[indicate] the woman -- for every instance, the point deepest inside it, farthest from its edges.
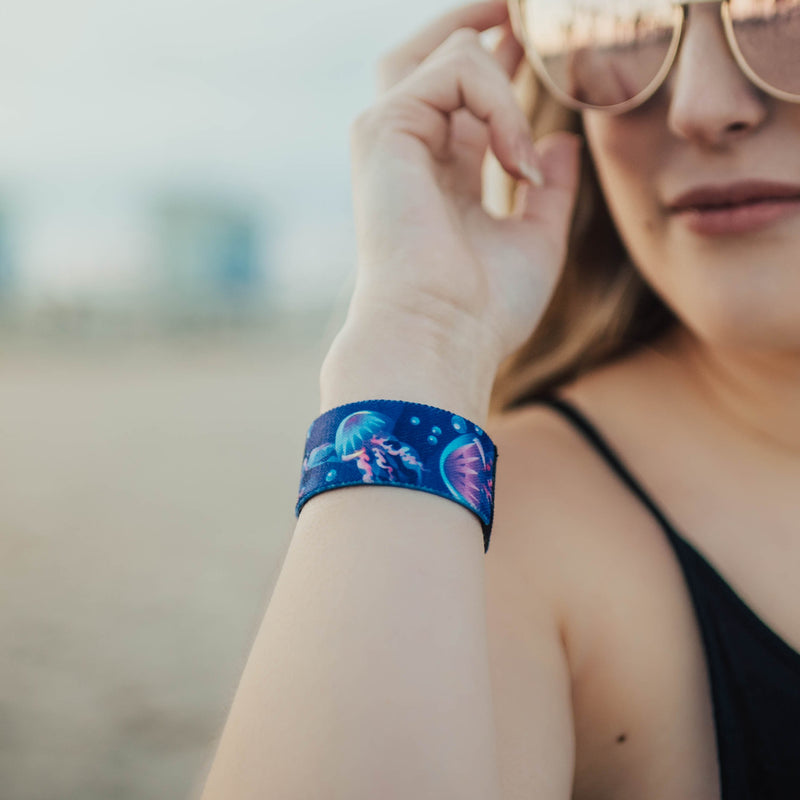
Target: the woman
(641, 321)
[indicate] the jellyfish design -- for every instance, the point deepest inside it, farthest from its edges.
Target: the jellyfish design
(463, 467)
(387, 451)
(365, 437)
(319, 455)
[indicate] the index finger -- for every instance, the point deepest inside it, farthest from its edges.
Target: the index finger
(408, 56)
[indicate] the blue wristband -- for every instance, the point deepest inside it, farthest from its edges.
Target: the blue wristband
(409, 445)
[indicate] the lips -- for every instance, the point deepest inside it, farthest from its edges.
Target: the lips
(703, 198)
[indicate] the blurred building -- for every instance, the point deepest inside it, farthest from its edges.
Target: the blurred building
(211, 259)
(134, 263)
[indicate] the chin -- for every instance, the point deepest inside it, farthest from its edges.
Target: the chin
(752, 308)
(747, 326)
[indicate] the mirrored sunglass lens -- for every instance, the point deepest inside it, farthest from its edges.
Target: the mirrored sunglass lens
(768, 34)
(601, 52)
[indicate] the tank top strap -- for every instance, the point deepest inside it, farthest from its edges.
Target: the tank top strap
(597, 441)
(753, 671)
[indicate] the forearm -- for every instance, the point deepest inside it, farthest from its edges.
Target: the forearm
(369, 676)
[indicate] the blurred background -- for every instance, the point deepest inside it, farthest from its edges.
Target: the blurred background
(176, 252)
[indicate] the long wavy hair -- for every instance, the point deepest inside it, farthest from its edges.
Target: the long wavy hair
(601, 308)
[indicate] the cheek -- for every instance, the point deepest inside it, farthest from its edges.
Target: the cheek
(627, 158)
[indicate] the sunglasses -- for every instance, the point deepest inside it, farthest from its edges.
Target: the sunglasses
(613, 55)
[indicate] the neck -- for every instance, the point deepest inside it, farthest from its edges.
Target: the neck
(755, 393)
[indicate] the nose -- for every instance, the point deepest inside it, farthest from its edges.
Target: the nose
(711, 101)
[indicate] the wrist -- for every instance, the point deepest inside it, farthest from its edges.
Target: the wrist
(412, 360)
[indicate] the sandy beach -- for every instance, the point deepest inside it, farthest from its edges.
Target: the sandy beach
(148, 496)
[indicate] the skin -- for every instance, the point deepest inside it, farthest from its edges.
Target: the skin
(736, 295)
(706, 420)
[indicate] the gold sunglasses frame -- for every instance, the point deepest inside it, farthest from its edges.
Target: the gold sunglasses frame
(681, 12)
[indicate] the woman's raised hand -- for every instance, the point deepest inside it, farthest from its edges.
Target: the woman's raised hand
(427, 249)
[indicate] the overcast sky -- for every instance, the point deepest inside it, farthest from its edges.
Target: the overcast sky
(102, 100)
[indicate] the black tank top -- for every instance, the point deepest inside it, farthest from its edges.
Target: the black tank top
(754, 674)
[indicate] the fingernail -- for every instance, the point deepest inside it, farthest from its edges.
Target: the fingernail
(531, 173)
(527, 162)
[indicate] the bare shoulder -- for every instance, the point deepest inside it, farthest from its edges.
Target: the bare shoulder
(555, 500)
(564, 521)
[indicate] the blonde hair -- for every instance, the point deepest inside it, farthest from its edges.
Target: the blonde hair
(601, 308)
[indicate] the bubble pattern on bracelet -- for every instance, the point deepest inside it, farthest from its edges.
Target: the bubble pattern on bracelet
(402, 444)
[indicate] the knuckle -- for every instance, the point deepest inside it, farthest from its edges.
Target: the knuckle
(464, 60)
(396, 109)
(469, 54)
(464, 37)
(390, 71)
(391, 111)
